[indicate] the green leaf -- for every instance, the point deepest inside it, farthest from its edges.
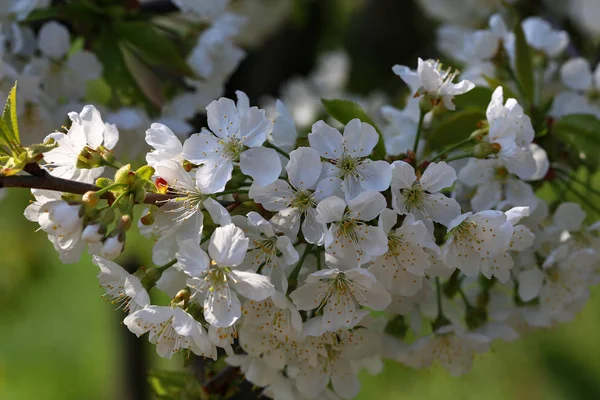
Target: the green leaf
(458, 126)
(582, 133)
(144, 77)
(345, 110)
(477, 99)
(524, 64)
(495, 82)
(9, 125)
(154, 47)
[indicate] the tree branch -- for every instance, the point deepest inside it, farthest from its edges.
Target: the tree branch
(41, 179)
(225, 376)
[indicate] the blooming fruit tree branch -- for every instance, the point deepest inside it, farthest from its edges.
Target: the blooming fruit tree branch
(463, 219)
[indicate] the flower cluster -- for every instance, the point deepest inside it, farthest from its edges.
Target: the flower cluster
(306, 251)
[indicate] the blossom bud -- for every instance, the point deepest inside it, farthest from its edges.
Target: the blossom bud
(90, 199)
(426, 104)
(125, 175)
(108, 155)
(182, 298)
(112, 246)
(147, 218)
(93, 233)
(482, 150)
(124, 223)
(107, 216)
(88, 159)
(145, 172)
(103, 182)
(140, 195)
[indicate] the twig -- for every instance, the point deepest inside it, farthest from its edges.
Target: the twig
(41, 179)
(217, 382)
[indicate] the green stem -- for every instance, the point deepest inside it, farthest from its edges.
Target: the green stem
(438, 289)
(293, 278)
(467, 155)
(118, 199)
(452, 148)
(277, 149)
(111, 164)
(419, 129)
(110, 187)
(167, 265)
(464, 298)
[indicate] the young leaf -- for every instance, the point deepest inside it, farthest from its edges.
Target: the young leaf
(346, 110)
(9, 117)
(524, 64)
(458, 126)
(154, 47)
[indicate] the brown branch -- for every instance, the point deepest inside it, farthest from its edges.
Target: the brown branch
(217, 382)
(41, 179)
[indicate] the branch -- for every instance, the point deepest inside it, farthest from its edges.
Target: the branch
(41, 179)
(225, 376)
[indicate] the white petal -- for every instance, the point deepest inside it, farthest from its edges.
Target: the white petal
(222, 308)
(251, 285)
(254, 127)
(198, 148)
(191, 258)
(162, 138)
(569, 216)
(440, 208)
(326, 140)
(304, 168)
(228, 246)
(530, 284)
(576, 74)
(360, 138)
(375, 175)
(223, 117)
(217, 212)
(213, 175)
(54, 40)
(331, 209)
(262, 164)
(403, 175)
(438, 176)
(273, 197)
(366, 206)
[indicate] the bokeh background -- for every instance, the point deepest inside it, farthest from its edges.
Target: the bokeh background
(60, 340)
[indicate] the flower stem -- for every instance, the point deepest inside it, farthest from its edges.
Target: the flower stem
(419, 129)
(277, 149)
(293, 278)
(467, 155)
(451, 148)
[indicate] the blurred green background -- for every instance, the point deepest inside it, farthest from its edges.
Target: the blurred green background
(60, 340)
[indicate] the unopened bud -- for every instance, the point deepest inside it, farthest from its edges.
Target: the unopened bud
(147, 218)
(108, 155)
(426, 103)
(90, 199)
(88, 158)
(93, 233)
(483, 150)
(124, 223)
(125, 175)
(112, 246)
(107, 216)
(182, 298)
(145, 172)
(140, 195)
(103, 182)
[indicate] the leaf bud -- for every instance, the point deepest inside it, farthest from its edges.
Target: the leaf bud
(125, 175)
(483, 150)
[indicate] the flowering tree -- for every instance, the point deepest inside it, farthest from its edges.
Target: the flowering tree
(303, 244)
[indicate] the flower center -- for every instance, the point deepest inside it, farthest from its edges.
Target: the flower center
(347, 166)
(413, 196)
(303, 200)
(232, 148)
